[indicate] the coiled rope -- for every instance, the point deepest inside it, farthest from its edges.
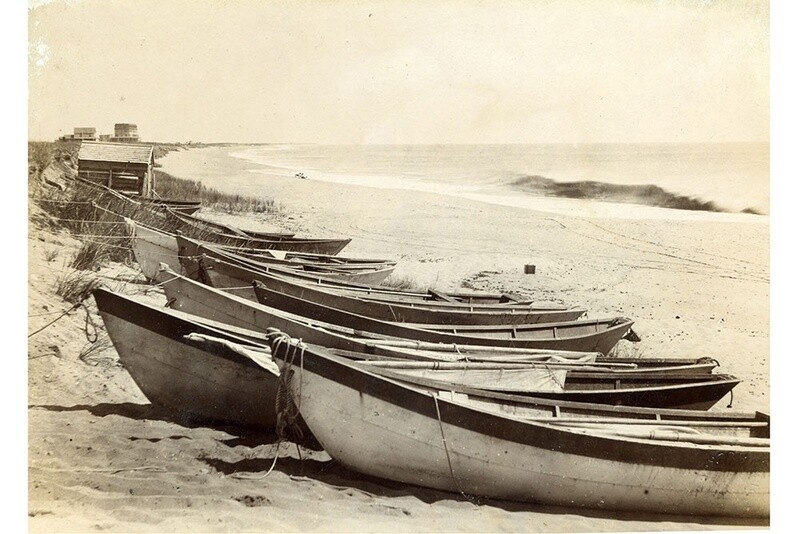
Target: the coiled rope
(89, 322)
(287, 413)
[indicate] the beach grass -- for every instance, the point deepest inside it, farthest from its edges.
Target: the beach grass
(169, 186)
(40, 154)
(75, 286)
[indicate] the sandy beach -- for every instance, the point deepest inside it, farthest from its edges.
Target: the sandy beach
(102, 459)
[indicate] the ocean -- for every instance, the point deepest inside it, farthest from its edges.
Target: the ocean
(628, 180)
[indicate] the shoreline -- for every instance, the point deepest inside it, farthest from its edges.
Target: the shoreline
(246, 170)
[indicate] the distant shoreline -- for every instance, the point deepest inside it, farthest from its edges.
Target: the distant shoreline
(608, 200)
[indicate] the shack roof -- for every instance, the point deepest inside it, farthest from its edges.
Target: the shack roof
(116, 152)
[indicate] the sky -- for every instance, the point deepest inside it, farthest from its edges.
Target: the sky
(356, 72)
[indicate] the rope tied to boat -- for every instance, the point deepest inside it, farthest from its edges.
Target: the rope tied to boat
(88, 321)
(286, 411)
(461, 356)
(201, 274)
(447, 451)
(551, 374)
(160, 284)
(287, 414)
(63, 314)
(89, 221)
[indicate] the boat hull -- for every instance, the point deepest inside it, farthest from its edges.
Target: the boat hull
(193, 257)
(684, 392)
(409, 313)
(197, 381)
(410, 436)
(151, 248)
(583, 336)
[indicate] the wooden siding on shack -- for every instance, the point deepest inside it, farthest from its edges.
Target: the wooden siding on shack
(126, 168)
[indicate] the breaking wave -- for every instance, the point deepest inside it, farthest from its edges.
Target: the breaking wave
(650, 195)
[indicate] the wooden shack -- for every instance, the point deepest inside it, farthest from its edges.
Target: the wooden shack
(122, 167)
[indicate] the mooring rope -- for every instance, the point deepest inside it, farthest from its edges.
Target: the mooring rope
(88, 322)
(91, 338)
(552, 375)
(108, 245)
(71, 309)
(285, 410)
(45, 313)
(106, 210)
(159, 284)
(446, 451)
(246, 476)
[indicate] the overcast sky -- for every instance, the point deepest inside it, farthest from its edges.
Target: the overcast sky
(400, 72)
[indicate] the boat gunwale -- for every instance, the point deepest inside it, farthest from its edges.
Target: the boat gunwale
(530, 433)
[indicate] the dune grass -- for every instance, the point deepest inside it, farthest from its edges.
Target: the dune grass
(171, 187)
(76, 286)
(40, 154)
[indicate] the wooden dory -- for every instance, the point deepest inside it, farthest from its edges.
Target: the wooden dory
(340, 269)
(184, 207)
(152, 247)
(231, 269)
(209, 303)
(298, 244)
(684, 391)
(384, 428)
(415, 313)
(206, 380)
(433, 299)
(219, 269)
(591, 335)
(168, 220)
(207, 226)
